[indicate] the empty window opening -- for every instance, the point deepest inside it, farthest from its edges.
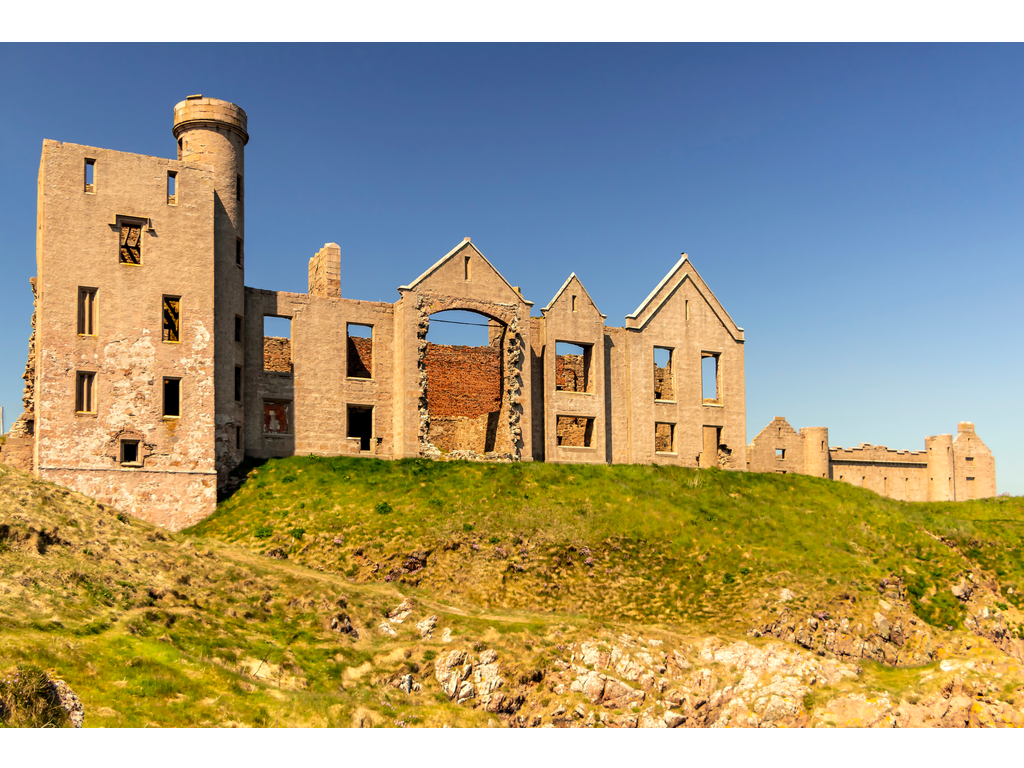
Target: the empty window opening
(466, 265)
(360, 425)
(664, 438)
(239, 188)
(277, 344)
(969, 459)
(464, 360)
(360, 351)
(238, 328)
(238, 437)
(664, 379)
(823, 445)
(130, 452)
(780, 453)
(172, 187)
(90, 172)
(573, 303)
(130, 249)
(574, 367)
(687, 306)
(87, 311)
(780, 471)
(574, 431)
(172, 398)
(238, 383)
(714, 452)
(85, 392)
(172, 318)
(277, 417)
(709, 373)
(181, 146)
(238, 253)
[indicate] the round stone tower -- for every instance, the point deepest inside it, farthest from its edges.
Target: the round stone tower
(213, 132)
(939, 457)
(816, 456)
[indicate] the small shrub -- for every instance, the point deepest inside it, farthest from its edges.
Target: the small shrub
(728, 578)
(383, 508)
(263, 532)
(297, 533)
(123, 518)
(429, 656)
(467, 527)
(495, 539)
(29, 700)
(289, 479)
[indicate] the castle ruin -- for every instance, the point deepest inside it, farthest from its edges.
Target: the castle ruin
(150, 376)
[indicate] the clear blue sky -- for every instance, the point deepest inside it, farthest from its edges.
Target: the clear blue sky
(855, 208)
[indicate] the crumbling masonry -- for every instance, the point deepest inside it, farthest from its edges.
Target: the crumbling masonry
(150, 377)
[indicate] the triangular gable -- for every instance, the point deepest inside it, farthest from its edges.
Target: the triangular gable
(664, 291)
(451, 255)
(569, 280)
(771, 432)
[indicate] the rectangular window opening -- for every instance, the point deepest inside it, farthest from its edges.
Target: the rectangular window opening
(130, 247)
(238, 437)
(172, 319)
(467, 267)
(172, 187)
(238, 253)
(238, 383)
(130, 452)
(172, 397)
(277, 344)
(239, 188)
(90, 176)
(360, 425)
(277, 417)
(574, 367)
(664, 438)
(238, 328)
(85, 392)
(360, 351)
(86, 311)
(574, 431)
(664, 379)
(969, 459)
(687, 306)
(711, 391)
(573, 303)
(780, 453)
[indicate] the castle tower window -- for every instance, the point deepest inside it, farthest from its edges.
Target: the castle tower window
(130, 249)
(573, 303)
(686, 304)
(360, 351)
(574, 367)
(238, 328)
(664, 438)
(90, 176)
(780, 454)
(360, 425)
(467, 267)
(172, 318)
(172, 187)
(130, 453)
(238, 437)
(85, 392)
(710, 371)
(238, 253)
(238, 383)
(172, 397)
(86, 311)
(277, 417)
(664, 379)
(239, 189)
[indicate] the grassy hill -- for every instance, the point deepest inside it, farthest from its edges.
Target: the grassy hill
(335, 591)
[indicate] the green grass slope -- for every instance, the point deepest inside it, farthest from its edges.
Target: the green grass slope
(702, 550)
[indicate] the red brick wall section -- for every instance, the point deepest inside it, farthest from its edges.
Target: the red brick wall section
(573, 432)
(663, 438)
(360, 357)
(277, 354)
(462, 381)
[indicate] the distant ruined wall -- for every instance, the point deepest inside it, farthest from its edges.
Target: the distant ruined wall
(464, 388)
(19, 450)
(360, 357)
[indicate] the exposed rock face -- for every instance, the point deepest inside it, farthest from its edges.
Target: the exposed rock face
(463, 678)
(70, 701)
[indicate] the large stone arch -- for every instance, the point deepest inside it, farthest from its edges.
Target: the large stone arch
(511, 317)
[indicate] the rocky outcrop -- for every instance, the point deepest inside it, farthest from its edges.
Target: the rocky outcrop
(467, 679)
